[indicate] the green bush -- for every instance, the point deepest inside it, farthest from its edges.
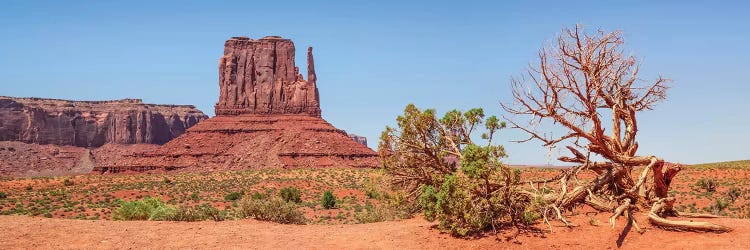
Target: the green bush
(258, 196)
(328, 201)
(734, 193)
(233, 196)
(68, 182)
(198, 213)
(531, 217)
(290, 194)
(271, 210)
(209, 212)
(195, 197)
(3, 195)
(382, 212)
(147, 208)
(718, 207)
(709, 185)
(482, 195)
(372, 194)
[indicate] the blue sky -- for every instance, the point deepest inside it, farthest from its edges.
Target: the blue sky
(374, 57)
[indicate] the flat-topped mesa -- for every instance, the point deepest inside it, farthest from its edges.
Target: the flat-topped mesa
(260, 77)
(93, 123)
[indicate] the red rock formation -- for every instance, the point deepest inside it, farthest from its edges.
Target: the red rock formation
(259, 77)
(93, 123)
(252, 141)
(24, 159)
(267, 116)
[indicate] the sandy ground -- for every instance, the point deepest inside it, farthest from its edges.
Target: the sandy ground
(22, 232)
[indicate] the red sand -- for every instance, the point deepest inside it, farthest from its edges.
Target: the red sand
(34, 232)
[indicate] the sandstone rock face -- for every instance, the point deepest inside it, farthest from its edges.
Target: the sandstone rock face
(93, 123)
(267, 117)
(251, 141)
(260, 77)
(25, 159)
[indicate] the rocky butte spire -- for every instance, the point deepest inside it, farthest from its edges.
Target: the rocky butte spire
(268, 116)
(259, 77)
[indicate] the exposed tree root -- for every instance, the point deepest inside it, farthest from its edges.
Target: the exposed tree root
(661, 222)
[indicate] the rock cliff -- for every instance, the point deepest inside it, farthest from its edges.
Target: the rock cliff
(266, 116)
(93, 123)
(260, 77)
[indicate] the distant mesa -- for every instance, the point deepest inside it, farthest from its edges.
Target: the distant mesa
(359, 139)
(93, 123)
(267, 116)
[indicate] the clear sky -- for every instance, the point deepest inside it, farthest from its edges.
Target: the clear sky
(374, 57)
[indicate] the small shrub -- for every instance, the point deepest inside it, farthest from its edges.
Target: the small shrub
(233, 196)
(381, 212)
(195, 197)
(271, 210)
(328, 201)
(258, 196)
(209, 212)
(720, 204)
(47, 215)
(372, 194)
(68, 182)
(166, 180)
(290, 194)
(147, 208)
(709, 185)
(185, 214)
(530, 217)
(29, 188)
(734, 193)
(3, 195)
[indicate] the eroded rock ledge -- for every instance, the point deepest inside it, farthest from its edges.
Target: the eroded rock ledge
(93, 123)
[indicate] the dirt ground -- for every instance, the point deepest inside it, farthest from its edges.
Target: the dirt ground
(24, 232)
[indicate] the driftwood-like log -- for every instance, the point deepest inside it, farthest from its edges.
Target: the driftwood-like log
(657, 220)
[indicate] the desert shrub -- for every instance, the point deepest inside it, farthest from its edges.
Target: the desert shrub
(719, 205)
(709, 185)
(195, 197)
(734, 193)
(290, 194)
(530, 217)
(271, 210)
(68, 182)
(3, 195)
(394, 207)
(166, 180)
(185, 214)
(233, 196)
(258, 196)
(147, 208)
(372, 194)
(460, 184)
(328, 201)
(29, 188)
(482, 195)
(209, 212)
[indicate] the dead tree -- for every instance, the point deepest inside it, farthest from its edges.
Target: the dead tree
(586, 86)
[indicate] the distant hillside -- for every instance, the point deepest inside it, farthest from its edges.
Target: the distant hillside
(726, 164)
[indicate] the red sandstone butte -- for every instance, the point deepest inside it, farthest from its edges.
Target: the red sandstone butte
(93, 123)
(267, 116)
(259, 77)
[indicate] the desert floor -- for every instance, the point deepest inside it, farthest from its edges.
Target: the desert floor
(23, 232)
